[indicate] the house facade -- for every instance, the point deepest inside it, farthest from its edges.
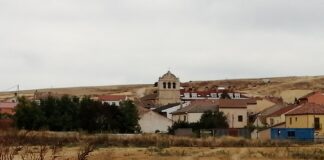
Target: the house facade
(279, 116)
(234, 110)
(152, 122)
(209, 94)
(308, 115)
(112, 99)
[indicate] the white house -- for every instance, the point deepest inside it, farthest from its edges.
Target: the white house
(152, 122)
(210, 94)
(112, 99)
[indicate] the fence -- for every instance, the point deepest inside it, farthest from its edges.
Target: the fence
(234, 132)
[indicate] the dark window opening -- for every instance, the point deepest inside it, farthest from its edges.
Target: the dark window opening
(240, 118)
(164, 85)
(317, 125)
(271, 121)
(174, 85)
(169, 85)
(291, 134)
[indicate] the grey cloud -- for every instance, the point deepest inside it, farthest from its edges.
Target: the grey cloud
(53, 43)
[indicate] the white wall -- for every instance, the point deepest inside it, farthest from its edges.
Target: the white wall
(175, 108)
(232, 116)
(151, 121)
(194, 117)
(112, 102)
(230, 113)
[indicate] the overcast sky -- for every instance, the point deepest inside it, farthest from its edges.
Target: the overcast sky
(61, 43)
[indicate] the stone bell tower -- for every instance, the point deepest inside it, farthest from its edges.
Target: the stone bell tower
(168, 89)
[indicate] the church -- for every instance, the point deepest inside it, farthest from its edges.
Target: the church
(167, 92)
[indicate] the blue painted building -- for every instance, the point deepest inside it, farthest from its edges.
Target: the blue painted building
(297, 134)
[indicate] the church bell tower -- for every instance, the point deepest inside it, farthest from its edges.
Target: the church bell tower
(168, 89)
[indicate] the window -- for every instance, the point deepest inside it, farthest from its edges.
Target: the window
(290, 120)
(185, 118)
(240, 118)
(169, 85)
(295, 119)
(317, 125)
(291, 134)
(174, 85)
(164, 85)
(271, 121)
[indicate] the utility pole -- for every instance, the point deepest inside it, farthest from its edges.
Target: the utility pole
(18, 90)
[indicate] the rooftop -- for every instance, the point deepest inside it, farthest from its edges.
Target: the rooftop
(282, 111)
(10, 105)
(159, 109)
(200, 106)
(307, 108)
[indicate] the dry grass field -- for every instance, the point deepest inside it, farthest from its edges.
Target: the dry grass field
(287, 87)
(22, 145)
(315, 152)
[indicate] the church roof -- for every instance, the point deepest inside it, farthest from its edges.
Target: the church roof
(168, 75)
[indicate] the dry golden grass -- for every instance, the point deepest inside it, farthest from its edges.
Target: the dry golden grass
(80, 146)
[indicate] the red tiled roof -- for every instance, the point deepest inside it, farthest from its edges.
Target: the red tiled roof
(112, 97)
(200, 106)
(307, 108)
(282, 111)
(232, 103)
(307, 95)
(315, 97)
(9, 105)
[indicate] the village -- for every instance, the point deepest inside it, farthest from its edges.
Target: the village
(171, 101)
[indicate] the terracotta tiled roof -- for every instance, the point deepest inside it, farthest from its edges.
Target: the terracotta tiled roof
(282, 111)
(307, 108)
(9, 105)
(232, 103)
(200, 106)
(112, 97)
(307, 95)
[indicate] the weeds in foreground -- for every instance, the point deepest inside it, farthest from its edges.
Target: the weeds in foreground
(84, 151)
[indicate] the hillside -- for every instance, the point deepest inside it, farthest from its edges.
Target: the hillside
(286, 87)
